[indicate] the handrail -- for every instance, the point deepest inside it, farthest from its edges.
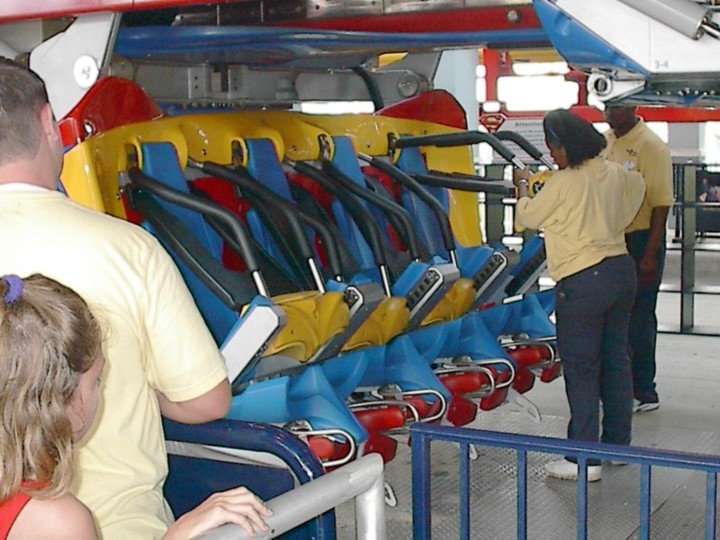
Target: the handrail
(362, 480)
(262, 440)
(475, 184)
(255, 437)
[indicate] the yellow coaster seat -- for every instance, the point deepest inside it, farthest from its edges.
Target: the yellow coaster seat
(313, 319)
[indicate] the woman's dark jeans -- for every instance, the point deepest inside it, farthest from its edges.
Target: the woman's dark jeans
(593, 314)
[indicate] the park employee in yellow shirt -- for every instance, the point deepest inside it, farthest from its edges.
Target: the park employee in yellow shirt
(584, 209)
(632, 144)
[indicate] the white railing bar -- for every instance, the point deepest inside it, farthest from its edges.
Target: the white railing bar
(362, 480)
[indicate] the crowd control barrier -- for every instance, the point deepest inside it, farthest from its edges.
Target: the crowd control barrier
(422, 435)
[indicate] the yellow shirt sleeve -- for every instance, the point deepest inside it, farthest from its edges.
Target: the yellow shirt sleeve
(539, 211)
(655, 164)
(184, 361)
(643, 151)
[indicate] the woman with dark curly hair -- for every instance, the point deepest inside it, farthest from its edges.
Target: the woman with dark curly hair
(583, 209)
(51, 364)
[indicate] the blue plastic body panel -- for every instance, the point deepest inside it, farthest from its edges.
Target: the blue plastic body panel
(308, 395)
(274, 47)
(412, 162)
(191, 480)
(527, 316)
(580, 47)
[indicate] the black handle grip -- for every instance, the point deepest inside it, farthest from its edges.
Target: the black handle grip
(461, 138)
(476, 185)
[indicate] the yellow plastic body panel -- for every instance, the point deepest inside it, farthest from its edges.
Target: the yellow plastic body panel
(300, 140)
(298, 339)
(332, 314)
(387, 321)
(370, 133)
(458, 301)
(80, 180)
(313, 319)
(91, 168)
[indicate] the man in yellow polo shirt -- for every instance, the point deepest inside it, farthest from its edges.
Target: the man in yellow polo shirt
(161, 358)
(635, 146)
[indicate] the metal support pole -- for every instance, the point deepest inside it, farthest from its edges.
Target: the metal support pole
(522, 495)
(687, 254)
(710, 505)
(494, 208)
(645, 506)
(370, 507)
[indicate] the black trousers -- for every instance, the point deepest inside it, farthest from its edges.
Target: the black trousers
(643, 321)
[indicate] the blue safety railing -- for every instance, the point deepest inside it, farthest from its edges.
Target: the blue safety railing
(423, 434)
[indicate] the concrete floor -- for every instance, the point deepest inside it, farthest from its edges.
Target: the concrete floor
(688, 420)
(688, 382)
(688, 366)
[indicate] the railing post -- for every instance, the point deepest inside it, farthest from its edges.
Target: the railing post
(710, 506)
(687, 254)
(464, 491)
(645, 492)
(521, 495)
(582, 502)
(421, 486)
(370, 511)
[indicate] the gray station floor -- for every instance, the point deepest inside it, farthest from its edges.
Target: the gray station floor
(688, 419)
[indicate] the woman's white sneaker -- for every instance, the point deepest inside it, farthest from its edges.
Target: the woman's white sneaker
(567, 470)
(645, 406)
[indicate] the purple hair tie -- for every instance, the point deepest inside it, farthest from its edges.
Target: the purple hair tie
(15, 288)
